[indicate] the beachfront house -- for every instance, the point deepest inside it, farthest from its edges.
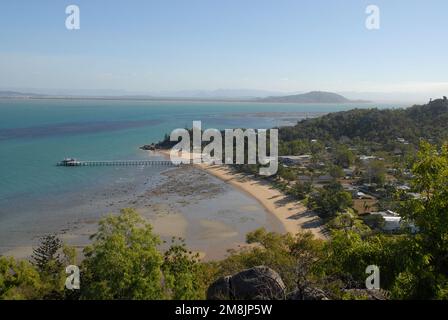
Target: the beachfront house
(295, 160)
(366, 159)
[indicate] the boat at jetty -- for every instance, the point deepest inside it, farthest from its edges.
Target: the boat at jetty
(69, 162)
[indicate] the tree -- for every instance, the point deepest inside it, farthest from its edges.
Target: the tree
(286, 173)
(19, 280)
(336, 172)
(46, 257)
(293, 257)
(50, 260)
(123, 262)
(344, 157)
(182, 272)
(428, 277)
(330, 200)
(300, 190)
(376, 172)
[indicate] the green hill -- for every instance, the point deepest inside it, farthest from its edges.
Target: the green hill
(310, 97)
(429, 121)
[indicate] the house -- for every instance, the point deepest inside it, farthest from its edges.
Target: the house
(353, 190)
(319, 179)
(367, 159)
(403, 187)
(295, 160)
(362, 195)
(415, 195)
(392, 221)
(349, 173)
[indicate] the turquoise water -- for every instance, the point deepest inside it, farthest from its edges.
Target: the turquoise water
(35, 134)
(37, 197)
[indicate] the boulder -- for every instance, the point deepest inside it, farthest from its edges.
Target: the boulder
(366, 294)
(307, 293)
(258, 283)
(220, 289)
(150, 147)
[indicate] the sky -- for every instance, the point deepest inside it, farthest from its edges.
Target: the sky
(147, 46)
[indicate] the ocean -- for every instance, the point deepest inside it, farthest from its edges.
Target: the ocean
(37, 197)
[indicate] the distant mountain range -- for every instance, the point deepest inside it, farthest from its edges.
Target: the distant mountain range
(15, 94)
(216, 95)
(312, 97)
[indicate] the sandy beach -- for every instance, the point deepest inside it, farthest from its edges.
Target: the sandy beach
(293, 215)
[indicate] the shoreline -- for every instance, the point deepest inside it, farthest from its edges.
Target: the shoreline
(293, 215)
(185, 202)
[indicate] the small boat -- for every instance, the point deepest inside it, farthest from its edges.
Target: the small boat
(69, 162)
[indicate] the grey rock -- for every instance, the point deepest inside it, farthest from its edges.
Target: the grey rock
(308, 293)
(367, 294)
(258, 283)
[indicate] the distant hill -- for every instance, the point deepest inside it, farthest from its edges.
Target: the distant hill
(311, 97)
(217, 95)
(427, 121)
(15, 94)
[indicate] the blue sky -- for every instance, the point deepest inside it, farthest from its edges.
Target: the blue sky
(280, 45)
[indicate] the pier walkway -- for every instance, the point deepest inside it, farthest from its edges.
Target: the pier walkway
(78, 163)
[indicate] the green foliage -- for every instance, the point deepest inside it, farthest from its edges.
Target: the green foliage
(375, 126)
(343, 156)
(294, 148)
(19, 280)
(348, 255)
(429, 215)
(375, 172)
(183, 272)
(330, 200)
(292, 256)
(374, 221)
(46, 257)
(286, 173)
(336, 172)
(123, 262)
(300, 190)
(348, 221)
(50, 259)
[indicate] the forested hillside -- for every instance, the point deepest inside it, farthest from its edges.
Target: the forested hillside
(374, 125)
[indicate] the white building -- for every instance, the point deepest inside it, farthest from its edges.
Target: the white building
(392, 221)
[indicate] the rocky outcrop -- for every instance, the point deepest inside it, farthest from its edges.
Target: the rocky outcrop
(263, 283)
(365, 294)
(150, 147)
(307, 293)
(258, 283)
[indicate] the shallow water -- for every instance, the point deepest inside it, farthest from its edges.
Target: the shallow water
(37, 197)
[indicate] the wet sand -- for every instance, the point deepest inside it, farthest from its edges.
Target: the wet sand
(294, 216)
(187, 202)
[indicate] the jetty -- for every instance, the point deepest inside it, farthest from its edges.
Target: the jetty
(71, 162)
